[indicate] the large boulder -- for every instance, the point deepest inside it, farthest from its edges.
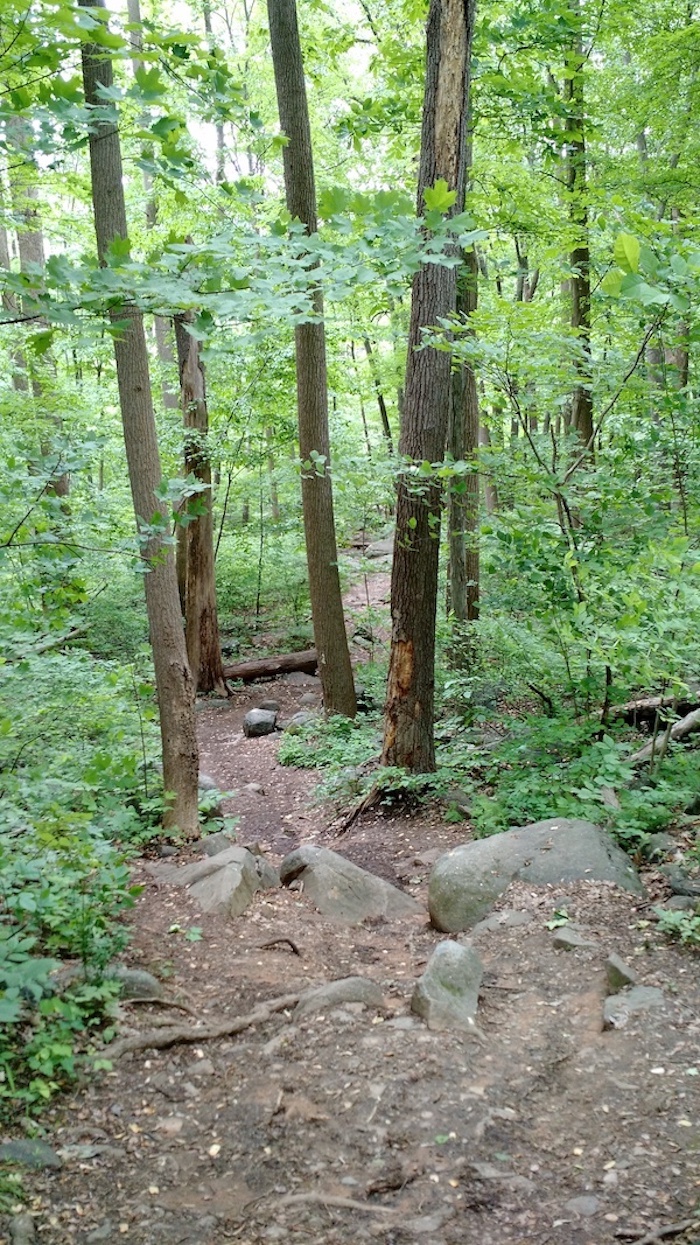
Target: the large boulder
(447, 995)
(224, 883)
(259, 722)
(468, 880)
(342, 890)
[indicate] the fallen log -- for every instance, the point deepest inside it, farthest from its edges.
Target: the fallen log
(271, 667)
(679, 729)
(646, 708)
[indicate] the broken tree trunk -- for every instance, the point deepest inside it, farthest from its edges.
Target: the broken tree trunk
(679, 729)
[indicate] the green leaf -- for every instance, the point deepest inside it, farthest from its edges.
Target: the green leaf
(439, 198)
(627, 251)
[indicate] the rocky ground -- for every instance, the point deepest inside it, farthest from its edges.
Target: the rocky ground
(355, 1122)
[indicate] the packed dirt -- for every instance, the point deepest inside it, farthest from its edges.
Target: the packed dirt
(361, 1125)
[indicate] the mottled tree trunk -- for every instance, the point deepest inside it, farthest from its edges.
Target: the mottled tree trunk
(312, 386)
(410, 702)
(174, 683)
(383, 413)
(201, 619)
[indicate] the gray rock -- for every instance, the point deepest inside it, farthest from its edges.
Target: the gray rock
(167, 851)
(567, 939)
(584, 1206)
(22, 1231)
(268, 876)
(298, 679)
(447, 995)
(136, 983)
(272, 706)
(678, 903)
(309, 698)
(618, 974)
(214, 844)
(467, 880)
(659, 845)
(224, 883)
(380, 548)
(300, 719)
(618, 1008)
(36, 1154)
(679, 881)
(206, 783)
(455, 797)
(259, 722)
(347, 990)
(105, 1232)
(254, 788)
(342, 890)
(507, 918)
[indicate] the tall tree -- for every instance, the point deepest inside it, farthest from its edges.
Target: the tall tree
(174, 683)
(463, 444)
(410, 702)
(201, 620)
(576, 185)
(312, 384)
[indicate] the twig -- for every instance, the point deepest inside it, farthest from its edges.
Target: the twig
(656, 1234)
(274, 942)
(159, 1040)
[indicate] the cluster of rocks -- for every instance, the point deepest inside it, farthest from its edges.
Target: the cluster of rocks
(264, 719)
(464, 885)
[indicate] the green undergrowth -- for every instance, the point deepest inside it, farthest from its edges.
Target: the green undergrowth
(77, 791)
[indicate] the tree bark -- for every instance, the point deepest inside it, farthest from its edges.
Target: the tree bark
(580, 284)
(201, 619)
(174, 683)
(383, 413)
(463, 443)
(410, 702)
(312, 386)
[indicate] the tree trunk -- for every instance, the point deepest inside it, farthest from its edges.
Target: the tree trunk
(410, 702)
(383, 413)
(174, 683)
(490, 489)
(463, 441)
(201, 620)
(312, 387)
(580, 284)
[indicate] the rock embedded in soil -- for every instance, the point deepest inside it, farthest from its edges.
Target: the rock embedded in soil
(347, 990)
(258, 722)
(618, 974)
(584, 1206)
(298, 720)
(22, 1231)
(447, 995)
(135, 983)
(568, 939)
(343, 890)
(34, 1153)
(224, 884)
(468, 880)
(618, 1008)
(214, 844)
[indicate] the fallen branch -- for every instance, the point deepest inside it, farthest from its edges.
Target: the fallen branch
(647, 707)
(679, 729)
(656, 1234)
(270, 667)
(159, 1039)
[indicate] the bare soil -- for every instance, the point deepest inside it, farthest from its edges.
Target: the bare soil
(351, 1125)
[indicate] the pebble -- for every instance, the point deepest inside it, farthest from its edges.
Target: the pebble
(585, 1206)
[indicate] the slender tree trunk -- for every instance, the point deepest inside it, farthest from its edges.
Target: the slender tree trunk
(312, 384)
(201, 620)
(383, 413)
(363, 413)
(174, 683)
(410, 702)
(490, 489)
(580, 285)
(463, 441)
(274, 491)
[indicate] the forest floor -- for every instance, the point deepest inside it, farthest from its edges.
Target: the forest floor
(354, 1125)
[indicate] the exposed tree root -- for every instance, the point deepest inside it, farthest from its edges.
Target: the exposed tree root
(159, 1039)
(275, 942)
(657, 1234)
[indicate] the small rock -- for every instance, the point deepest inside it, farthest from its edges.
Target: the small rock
(36, 1154)
(347, 990)
(309, 698)
(254, 788)
(206, 783)
(401, 1022)
(507, 918)
(567, 939)
(22, 1230)
(380, 548)
(167, 851)
(258, 722)
(296, 722)
(298, 679)
(660, 844)
(105, 1232)
(619, 1007)
(679, 881)
(214, 844)
(271, 706)
(455, 797)
(447, 995)
(268, 876)
(678, 903)
(136, 983)
(618, 974)
(584, 1206)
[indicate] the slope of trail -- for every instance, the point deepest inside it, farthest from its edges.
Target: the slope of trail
(354, 1124)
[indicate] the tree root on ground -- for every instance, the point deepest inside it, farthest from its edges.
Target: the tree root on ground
(159, 1039)
(656, 1234)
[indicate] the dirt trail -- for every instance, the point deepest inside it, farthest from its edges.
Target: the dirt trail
(354, 1125)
